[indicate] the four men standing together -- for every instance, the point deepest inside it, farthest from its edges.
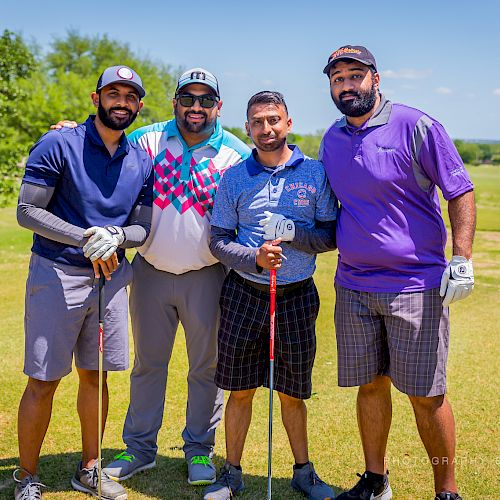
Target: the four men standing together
(383, 162)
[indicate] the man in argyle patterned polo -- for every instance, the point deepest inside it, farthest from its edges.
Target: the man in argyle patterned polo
(176, 278)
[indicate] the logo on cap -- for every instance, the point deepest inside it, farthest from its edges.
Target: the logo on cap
(125, 73)
(198, 75)
(344, 50)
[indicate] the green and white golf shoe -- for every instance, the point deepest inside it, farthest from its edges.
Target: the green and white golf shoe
(125, 465)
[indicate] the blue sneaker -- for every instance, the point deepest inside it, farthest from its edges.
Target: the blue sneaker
(125, 465)
(201, 470)
(306, 481)
(227, 486)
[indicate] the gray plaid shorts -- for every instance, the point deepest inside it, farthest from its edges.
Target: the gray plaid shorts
(402, 335)
(243, 340)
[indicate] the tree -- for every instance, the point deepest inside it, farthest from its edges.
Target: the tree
(16, 65)
(35, 93)
(240, 134)
(76, 61)
(468, 151)
(486, 153)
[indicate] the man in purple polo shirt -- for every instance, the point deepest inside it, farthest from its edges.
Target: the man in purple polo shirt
(384, 162)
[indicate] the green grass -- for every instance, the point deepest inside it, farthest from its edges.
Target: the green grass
(333, 436)
(486, 181)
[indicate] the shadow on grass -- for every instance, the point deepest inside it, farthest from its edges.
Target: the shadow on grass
(166, 481)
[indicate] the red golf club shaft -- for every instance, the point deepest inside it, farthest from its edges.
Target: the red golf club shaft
(272, 311)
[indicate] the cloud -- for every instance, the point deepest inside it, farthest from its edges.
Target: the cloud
(267, 82)
(443, 90)
(496, 92)
(406, 74)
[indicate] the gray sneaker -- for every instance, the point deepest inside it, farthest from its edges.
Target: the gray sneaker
(228, 485)
(86, 480)
(201, 470)
(306, 481)
(28, 488)
(125, 465)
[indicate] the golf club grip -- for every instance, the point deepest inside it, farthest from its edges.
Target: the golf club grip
(272, 311)
(102, 306)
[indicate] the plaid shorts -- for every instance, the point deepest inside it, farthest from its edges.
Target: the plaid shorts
(402, 335)
(243, 341)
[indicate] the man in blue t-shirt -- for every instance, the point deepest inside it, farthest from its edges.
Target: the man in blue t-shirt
(276, 195)
(86, 194)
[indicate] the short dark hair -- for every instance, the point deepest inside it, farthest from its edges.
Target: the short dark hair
(267, 97)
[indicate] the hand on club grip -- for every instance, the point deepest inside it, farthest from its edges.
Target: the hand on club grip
(103, 241)
(106, 267)
(269, 255)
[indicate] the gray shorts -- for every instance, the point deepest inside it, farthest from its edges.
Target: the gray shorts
(61, 318)
(402, 335)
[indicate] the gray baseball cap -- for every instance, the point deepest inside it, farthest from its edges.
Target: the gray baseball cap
(121, 74)
(198, 75)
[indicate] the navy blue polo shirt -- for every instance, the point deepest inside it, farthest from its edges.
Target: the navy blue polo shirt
(91, 187)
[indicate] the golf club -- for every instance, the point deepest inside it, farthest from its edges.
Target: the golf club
(99, 405)
(272, 309)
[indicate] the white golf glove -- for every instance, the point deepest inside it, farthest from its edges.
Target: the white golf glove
(103, 241)
(277, 226)
(457, 281)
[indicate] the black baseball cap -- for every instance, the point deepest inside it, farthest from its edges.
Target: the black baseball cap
(355, 52)
(121, 74)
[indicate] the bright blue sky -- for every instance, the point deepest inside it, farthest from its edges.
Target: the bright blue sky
(439, 56)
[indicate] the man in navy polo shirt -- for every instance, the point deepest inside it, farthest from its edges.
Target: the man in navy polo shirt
(384, 162)
(276, 195)
(87, 195)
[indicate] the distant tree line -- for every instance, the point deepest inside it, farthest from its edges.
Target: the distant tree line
(40, 89)
(477, 153)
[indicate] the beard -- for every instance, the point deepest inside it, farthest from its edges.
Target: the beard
(277, 144)
(205, 126)
(362, 104)
(114, 122)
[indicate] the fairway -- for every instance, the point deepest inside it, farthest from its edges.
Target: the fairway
(334, 444)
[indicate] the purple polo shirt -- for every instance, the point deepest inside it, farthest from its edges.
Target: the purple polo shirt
(390, 232)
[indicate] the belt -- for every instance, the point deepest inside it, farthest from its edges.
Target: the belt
(280, 289)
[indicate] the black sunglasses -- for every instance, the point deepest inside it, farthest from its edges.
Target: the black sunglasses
(205, 100)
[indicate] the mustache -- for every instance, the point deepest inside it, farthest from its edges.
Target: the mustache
(347, 93)
(119, 108)
(202, 113)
